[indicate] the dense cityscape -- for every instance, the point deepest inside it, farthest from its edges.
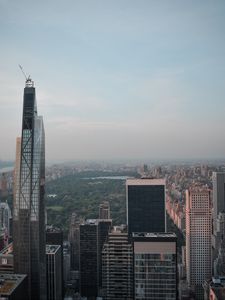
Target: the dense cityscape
(112, 166)
(167, 243)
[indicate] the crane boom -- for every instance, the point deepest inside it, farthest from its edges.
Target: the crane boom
(21, 68)
(29, 82)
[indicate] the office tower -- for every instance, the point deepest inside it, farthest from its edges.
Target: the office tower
(146, 205)
(93, 234)
(104, 210)
(66, 262)
(54, 272)
(155, 266)
(218, 179)
(74, 239)
(29, 207)
(117, 267)
(198, 238)
(13, 286)
(88, 259)
(104, 227)
(54, 236)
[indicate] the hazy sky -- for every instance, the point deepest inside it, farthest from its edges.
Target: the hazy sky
(116, 78)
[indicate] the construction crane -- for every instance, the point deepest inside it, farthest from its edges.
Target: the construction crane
(29, 82)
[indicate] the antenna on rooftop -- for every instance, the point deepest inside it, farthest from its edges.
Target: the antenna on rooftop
(29, 82)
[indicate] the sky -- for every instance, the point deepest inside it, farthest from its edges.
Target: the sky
(116, 79)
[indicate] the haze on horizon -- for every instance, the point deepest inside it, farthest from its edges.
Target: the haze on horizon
(116, 79)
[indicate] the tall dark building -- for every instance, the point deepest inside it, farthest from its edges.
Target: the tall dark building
(145, 205)
(218, 179)
(88, 259)
(93, 234)
(29, 206)
(104, 227)
(54, 272)
(74, 239)
(54, 236)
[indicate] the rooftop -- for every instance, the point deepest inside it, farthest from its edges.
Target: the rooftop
(9, 282)
(91, 222)
(199, 188)
(52, 249)
(7, 250)
(145, 181)
(154, 234)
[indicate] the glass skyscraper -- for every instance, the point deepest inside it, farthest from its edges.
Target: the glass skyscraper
(29, 206)
(155, 266)
(146, 205)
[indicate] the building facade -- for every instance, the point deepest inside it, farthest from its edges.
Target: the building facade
(54, 272)
(88, 259)
(74, 239)
(104, 210)
(218, 237)
(155, 266)
(198, 238)
(54, 236)
(93, 234)
(117, 267)
(145, 199)
(29, 207)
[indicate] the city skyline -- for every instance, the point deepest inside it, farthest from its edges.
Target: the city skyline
(116, 80)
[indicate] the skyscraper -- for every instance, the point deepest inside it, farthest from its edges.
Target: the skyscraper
(93, 234)
(146, 205)
(218, 179)
(117, 267)
(155, 265)
(198, 238)
(74, 239)
(54, 272)
(29, 207)
(104, 210)
(89, 258)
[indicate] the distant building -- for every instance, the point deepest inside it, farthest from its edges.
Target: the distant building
(198, 238)
(104, 210)
(218, 179)
(74, 239)
(54, 272)
(104, 227)
(66, 262)
(155, 266)
(145, 205)
(117, 267)
(13, 287)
